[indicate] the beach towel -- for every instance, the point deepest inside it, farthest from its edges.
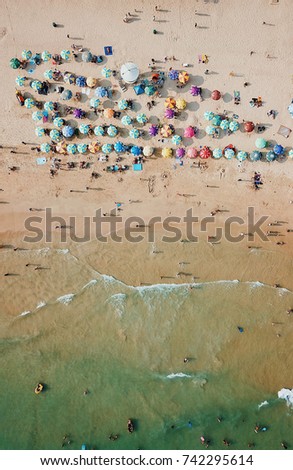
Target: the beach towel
(108, 50)
(284, 131)
(41, 160)
(137, 167)
(31, 66)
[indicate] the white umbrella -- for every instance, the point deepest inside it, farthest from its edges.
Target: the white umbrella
(129, 72)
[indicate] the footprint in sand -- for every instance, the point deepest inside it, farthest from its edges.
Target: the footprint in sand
(3, 32)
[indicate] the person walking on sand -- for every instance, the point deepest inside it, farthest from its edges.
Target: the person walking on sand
(154, 18)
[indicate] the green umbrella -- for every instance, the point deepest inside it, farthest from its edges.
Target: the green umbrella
(40, 131)
(26, 55)
(29, 103)
(149, 90)
(45, 148)
(217, 153)
(55, 135)
(260, 143)
(15, 63)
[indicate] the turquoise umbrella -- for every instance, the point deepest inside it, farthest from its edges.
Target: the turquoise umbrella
(234, 126)
(36, 85)
(69, 78)
(217, 153)
(260, 143)
(30, 103)
(126, 121)
(72, 148)
(176, 139)
(241, 155)
(66, 95)
(20, 81)
(224, 124)
(112, 131)
(290, 153)
(26, 54)
(46, 55)
(84, 129)
(210, 130)
(208, 115)
(149, 90)
(107, 148)
(255, 155)
(40, 131)
(141, 118)
(81, 148)
(122, 104)
(216, 121)
(45, 147)
(58, 122)
(94, 102)
(119, 147)
(48, 74)
(271, 156)
(65, 54)
(49, 106)
(99, 130)
(37, 116)
(229, 153)
(55, 135)
(106, 72)
(134, 133)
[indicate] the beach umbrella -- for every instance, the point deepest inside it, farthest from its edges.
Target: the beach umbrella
(82, 148)
(167, 152)
(279, 149)
(69, 78)
(106, 72)
(58, 122)
(255, 155)
(234, 126)
(217, 153)
(195, 90)
(183, 77)
(180, 152)
(173, 74)
(55, 135)
(46, 55)
(205, 153)
(208, 115)
(112, 131)
(37, 116)
(66, 95)
(40, 131)
(210, 130)
(192, 152)
(80, 81)
(153, 130)
(107, 148)
(166, 130)
(48, 74)
(260, 143)
(139, 89)
(270, 156)
(148, 151)
(170, 103)
(129, 72)
(84, 129)
(68, 131)
(14, 63)
(241, 155)
(169, 113)
(122, 104)
(134, 133)
(101, 92)
(65, 54)
(126, 120)
(119, 147)
(86, 56)
(26, 54)
(150, 90)
(78, 113)
(45, 147)
(61, 147)
(91, 82)
(136, 151)
(99, 130)
(290, 153)
(290, 109)
(20, 81)
(94, 146)
(216, 95)
(216, 121)
(30, 103)
(141, 118)
(94, 102)
(49, 106)
(229, 153)
(189, 132)
(108, 113)
(176, 139)
(36, 85)
(72, 148)
(248, 126)
(180, 103)
(225, 124)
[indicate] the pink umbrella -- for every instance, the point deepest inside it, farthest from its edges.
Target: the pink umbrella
(216, 95)
(169, 113)
(180, 152)
(153, 130)
(192, 153)
(195, 90)
(189, 132)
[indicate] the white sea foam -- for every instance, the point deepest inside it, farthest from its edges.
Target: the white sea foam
(63, 251)
(65, 299)
(90, 283)
(264, 403)
(179, 375)
(286, 394)
(118, 302)
(41, 304)
(23, 314)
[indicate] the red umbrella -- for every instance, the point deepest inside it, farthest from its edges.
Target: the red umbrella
(248, 126)
(205, 153)
(216, 95)
(189, 132)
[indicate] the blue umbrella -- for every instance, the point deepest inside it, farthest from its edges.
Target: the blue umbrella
(134, 133)
(101, 92)
(66, 95)
(58, 122)
(229, 153)
(270, 156)
(55, 135)
(69, 78)
(216, 121)
(122, 104)
(84, 129)
(136, 151)
(49, 106)
(208, 115)
(112, 131)
(173, 74)
(119, 147)
(255, 155)
(20, 81)
(40, 131)
(279, 149)
(81, 148)
(46, 55)
(225, 124)
(94, 102)
(126, 120)
(37, 115)
(217, 153)
(99, 130)
(45, 148)
(176, 139)
(48, 74)
(80, 81)
(241, 155)
(86, 56)
(139, 89)
(68, 131)
(107, 148)
(234, 126)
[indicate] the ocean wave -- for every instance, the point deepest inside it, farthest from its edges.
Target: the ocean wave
(118, 302)
(264, 403)
(179, 375)
(26, 312)
(65, 299)
(41, 304)
(90, 283)
(64, 251)
(286, 394)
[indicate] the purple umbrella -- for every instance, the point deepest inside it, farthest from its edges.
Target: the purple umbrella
(173, 74)
(153, 130)
(195, 90)
(78, 113)
(169, 113)
(180, 152)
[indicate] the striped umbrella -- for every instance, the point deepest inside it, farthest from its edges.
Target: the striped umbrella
(217, 153)
(234, 126)
(216, 121)
(173, 74)
(94, 146)
(150, 90)
(122, 104)
(183, 77)
(241, 155)
(225, 124)
(72, 148)
(108, 113)
(66, 95)
(136, 151)
(134, 133)
(208, 115)
(205, 153)
(112, 131)
(91, 82)
(84, 129)
(82, 148)
(180, 103)
(148, 151)
(45, 147)
(46, 55)
(94, 102)
(210, 130)
(180, 152)
(65, 54)
(167, 152)
(48, 74)
(61, 147)
(99, 130)
(58, 122)
(40, 131)
(192, 152)
(153, 130)
(126, 120)
(141, 118)
(68, 131)
(30, 103)
(255, 155)
(80, 81)
(167, 130)
(49, 106)
(37, 116)
(176, 139)
(69, 78)
(36, 85)
(107, 148)
(14, 63)
(101, 91)
(20, 81)
(195, 90)
(290, 153)
(86, 56)
(189, 132)
(55, 135)
(106, 72)
(270, 156)
(279, 149)
(169, 113)
(170, 103)
(260, 143)
(26, 54)
(229, 153)
(119, 147)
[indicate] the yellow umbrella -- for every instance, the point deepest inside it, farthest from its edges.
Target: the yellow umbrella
(180, 103)
(61, 147)
(167, 152)
(170, 103)
(94, 146)
(108, 113)
(91, 82)
(183, 77)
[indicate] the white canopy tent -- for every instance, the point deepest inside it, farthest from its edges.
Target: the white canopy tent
(129, 72)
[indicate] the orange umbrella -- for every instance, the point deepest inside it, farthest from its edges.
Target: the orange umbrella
(94, 146)
(155, 77)
(170, 103)
(108, 113)
(183, 77)
(166, 130)
(61, 147)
